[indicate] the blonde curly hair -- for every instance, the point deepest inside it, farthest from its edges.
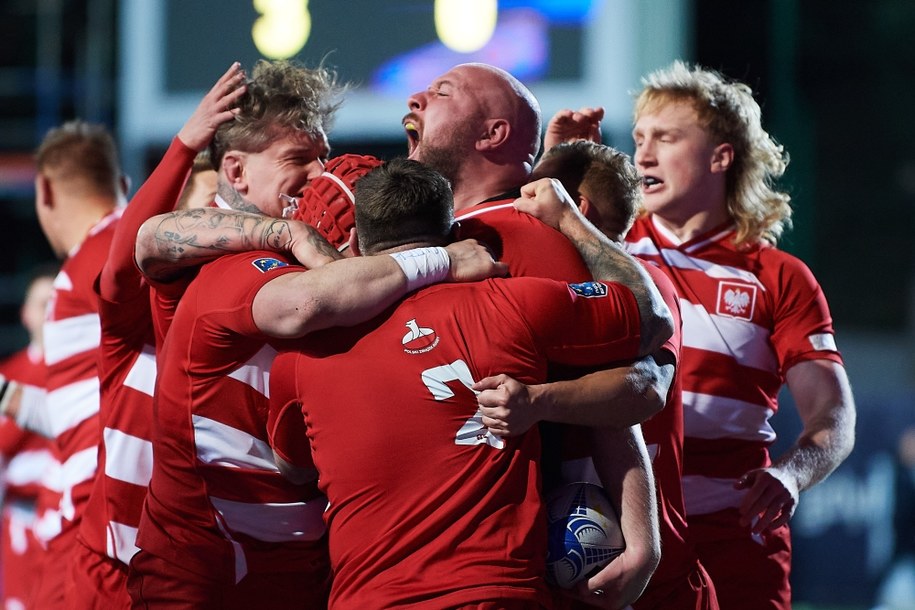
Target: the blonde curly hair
(728, 111)
(281, 97)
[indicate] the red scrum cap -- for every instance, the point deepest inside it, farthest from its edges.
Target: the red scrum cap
(327, 203)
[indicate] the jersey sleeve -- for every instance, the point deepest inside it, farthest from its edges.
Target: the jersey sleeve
(670, 298)
(286, 430)
(529, 247)
(230, 283)
(802, 325)
(583, 324)
(121, 280)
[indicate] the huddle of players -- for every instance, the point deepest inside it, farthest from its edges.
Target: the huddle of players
(434, 496)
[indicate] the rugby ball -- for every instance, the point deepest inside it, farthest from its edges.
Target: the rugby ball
(584, 533)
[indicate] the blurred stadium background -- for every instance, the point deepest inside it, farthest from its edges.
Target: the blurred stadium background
(834, 78)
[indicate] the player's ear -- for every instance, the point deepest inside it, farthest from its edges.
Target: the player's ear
(584, 205)
(233, 170)
(44, 193)
(722, 158)
(495, 134)
(353, 244)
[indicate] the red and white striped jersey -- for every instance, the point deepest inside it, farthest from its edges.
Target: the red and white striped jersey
(27, 458)
(748, 316)
(71, 341)
(127, 367)
(217, 504)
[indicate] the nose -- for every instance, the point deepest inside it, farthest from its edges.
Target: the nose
(644, 154)
(417, 101)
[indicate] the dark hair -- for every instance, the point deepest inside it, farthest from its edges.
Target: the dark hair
(402, 202)
(281, 97)
(603, 174)
(78, 150)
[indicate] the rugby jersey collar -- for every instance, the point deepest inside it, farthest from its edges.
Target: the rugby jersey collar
(716, 234)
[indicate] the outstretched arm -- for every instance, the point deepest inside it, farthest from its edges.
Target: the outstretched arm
(169, 243)
(547, 200)
(120, 279)
(353, 290)
(823, 396)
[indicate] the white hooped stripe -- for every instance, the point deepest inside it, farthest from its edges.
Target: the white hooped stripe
(713, 417)
(121, 541)
(220, 444)
(274, 522)
(256, 371)
(72, 336)
(73, 404)
(745, 342)
(704, 495)
(142, 375)
(127, 458)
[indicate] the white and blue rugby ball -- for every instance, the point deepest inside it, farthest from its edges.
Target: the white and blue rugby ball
(584, 533)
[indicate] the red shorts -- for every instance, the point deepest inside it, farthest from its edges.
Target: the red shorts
(695, 591)
(97, 582)
(53, 572)
(156, 583)
(21, 554)
(750, 573)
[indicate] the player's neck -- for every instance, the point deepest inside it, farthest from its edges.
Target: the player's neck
(685, 229)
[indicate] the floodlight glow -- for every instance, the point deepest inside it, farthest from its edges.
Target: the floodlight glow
(282, 29)
(465, 26)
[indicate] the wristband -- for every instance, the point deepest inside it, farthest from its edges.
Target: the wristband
(423, 266)
(7, 389)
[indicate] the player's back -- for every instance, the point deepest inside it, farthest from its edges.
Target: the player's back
(418, 476)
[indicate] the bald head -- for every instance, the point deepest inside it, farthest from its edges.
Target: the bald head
(502, 96)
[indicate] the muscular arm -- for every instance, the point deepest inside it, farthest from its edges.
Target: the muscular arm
(169, 243)
(826, 407)
(120, 278)
(548, 200)
(622, 463)
(617, 397)
(353, 290)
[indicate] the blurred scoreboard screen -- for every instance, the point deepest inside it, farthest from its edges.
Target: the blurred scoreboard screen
(384, 47)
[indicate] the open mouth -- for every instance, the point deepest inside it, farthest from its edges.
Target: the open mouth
(411, 127)
(650, 183)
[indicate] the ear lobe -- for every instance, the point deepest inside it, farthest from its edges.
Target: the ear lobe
(722, 158)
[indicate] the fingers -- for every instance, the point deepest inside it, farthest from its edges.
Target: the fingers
(489, 383)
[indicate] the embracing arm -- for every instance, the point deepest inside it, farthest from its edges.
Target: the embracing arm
(547, 200)
(824, 400)
(120, 279)
(353, 290)
(169, 243)
(622, 463)
(617, 397)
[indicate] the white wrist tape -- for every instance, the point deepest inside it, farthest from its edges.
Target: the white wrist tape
(7, 388)
(423, 266)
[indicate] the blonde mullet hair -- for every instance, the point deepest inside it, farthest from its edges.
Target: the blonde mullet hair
(728, 111)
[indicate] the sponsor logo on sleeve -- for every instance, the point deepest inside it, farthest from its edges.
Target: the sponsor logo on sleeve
(419, 339)
(823, 342)
(589, 290)
(268, 264)
(736, 300)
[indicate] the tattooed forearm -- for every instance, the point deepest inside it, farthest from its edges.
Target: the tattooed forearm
(607, 261)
